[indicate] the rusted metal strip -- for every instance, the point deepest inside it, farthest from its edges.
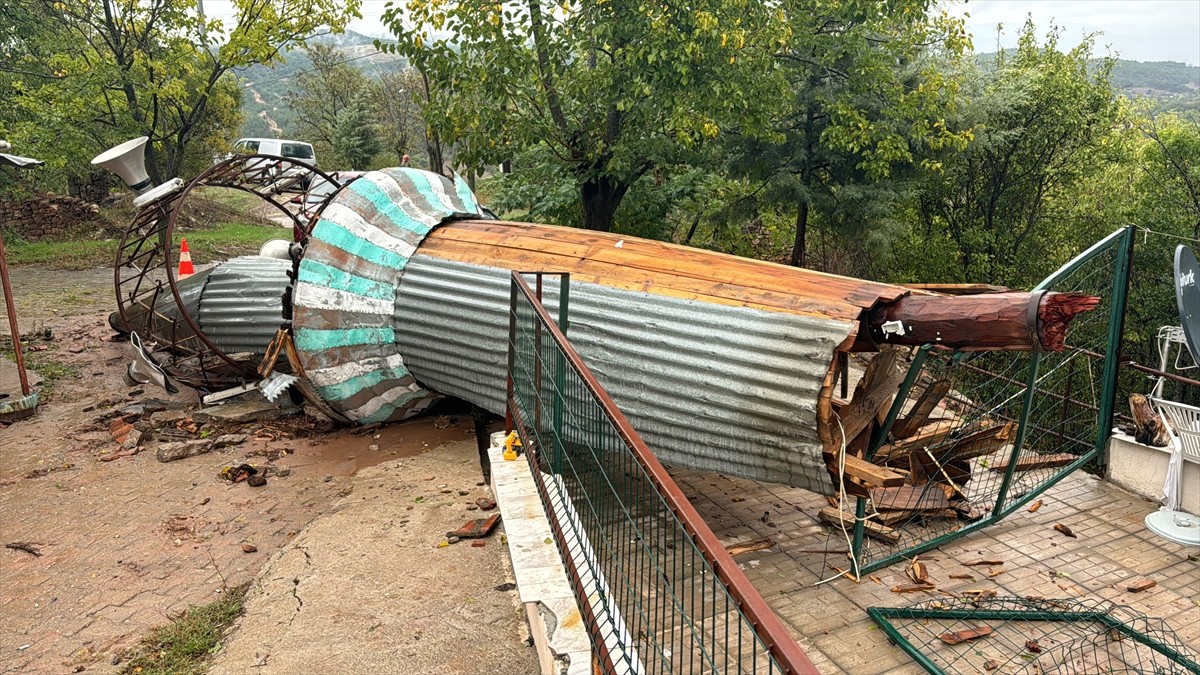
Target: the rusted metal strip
(766, 624)
(11, 306)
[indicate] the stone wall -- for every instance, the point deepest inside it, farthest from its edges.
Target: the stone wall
(94, 187)
(47, 216)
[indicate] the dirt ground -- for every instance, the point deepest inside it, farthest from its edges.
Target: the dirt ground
(126, 541)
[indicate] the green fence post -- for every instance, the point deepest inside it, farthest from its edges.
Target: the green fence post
(1035, 361)
(560, 375)
(1112, 359)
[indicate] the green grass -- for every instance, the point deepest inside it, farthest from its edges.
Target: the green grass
(235, 200)
(225, 240)
(184, 646)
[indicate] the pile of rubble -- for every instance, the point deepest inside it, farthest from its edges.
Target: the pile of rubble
(174, 430)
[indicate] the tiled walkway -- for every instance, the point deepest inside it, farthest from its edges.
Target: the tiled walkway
(829, 620)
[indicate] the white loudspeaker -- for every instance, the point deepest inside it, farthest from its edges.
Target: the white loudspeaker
(127, 160)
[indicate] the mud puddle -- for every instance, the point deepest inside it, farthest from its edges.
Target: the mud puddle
(345, 453)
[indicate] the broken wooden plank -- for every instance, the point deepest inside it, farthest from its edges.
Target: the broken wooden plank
(921, 410)
(958, 289)
(918, 572)
(841, 518)
(928, 435)
(909, 498)
(989, 562)
(1037, 462)
(978, 443)
(967, 577)
(1059, 527)
(750, 546)
(961, 636)
(871, 475)
(873, 392)
(912, 588)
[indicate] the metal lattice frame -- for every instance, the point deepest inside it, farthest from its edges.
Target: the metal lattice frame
(1058, 403)
(658, 591)
(147, 259)
(1035, 635)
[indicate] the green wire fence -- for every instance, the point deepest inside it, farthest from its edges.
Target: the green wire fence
(1055, 410)
(657, 590)
(1034, 635)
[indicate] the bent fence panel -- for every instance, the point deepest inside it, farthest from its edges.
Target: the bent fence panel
(1054, 408)
(658, 592)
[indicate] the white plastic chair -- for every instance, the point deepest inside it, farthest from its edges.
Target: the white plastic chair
(1185, 420)
(1168, 522)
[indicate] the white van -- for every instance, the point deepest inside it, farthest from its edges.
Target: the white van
(295, 150)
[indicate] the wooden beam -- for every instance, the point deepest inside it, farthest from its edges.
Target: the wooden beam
(873, 392)
(978, 443)
(1014, 321)
(928, 435)
(921, 410)
(750, 546)
(1038, 462)
(870, 474)
(908, 498)
(958, 289)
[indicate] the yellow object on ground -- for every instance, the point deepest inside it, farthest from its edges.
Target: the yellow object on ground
(511, 443)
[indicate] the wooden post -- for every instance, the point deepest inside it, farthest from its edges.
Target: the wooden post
(1014, 321)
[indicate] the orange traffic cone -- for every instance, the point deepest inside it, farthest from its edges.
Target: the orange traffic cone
(185, 262)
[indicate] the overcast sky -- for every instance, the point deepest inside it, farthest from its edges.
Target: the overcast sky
(1142, 30)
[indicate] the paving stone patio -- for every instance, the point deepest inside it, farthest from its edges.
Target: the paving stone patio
(829, 619)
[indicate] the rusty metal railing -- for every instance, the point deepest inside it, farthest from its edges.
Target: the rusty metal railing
(657, 590)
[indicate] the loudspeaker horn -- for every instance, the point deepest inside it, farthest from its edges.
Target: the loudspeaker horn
(127, 160)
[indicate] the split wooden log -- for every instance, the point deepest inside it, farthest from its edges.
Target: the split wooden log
(1149, 428)
(1013, 321)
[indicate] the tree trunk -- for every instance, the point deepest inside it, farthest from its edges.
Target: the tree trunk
(798, 252)
(601, 196)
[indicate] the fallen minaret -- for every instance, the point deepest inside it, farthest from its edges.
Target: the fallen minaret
(401, 295)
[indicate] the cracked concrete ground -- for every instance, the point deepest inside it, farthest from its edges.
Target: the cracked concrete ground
(366, 589)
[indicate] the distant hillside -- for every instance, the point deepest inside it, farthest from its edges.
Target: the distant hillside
(1155, 79)
(265, 87)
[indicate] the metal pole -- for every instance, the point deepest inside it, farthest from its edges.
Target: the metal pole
(11, 307)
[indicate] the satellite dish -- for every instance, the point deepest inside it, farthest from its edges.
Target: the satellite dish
(1187, 293)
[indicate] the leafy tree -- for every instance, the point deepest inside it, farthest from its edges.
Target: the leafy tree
(355, 140)
(395, 103)
(868, 95)
(612, 89)
(96, 71)
(322, 96)
(1040, 117)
